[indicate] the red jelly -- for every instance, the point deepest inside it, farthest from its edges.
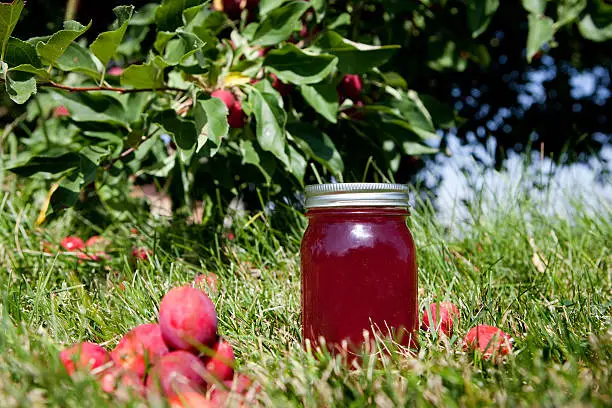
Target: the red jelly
(358, 263)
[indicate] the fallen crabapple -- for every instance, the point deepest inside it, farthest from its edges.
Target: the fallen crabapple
(176, 372)
(72, 243)
(440, 316)
(231, 392)
(187, 319)
(84, 356)
(220, 363)
(142, 253)
(207, 280)
(488, 340)
(190, 399)
(122, 383)
(97, 242)
(141, 347)
(93, 257)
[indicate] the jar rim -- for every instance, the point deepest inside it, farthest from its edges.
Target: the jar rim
(357, 195)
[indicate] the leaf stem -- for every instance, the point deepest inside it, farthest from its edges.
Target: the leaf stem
(72, 6)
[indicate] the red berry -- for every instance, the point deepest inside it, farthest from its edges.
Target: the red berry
(115, 71)
(304, 30)
(236, 116)
(282, 88)
(221, 363)
(226, 96)
(351, 87)
(187, 319)
(60, 111)
(140, 348)
(444, 320)
(72, 243)
(84, 356)
(488, 340)
(176, 372)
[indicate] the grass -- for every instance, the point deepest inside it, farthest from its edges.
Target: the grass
(544, 280)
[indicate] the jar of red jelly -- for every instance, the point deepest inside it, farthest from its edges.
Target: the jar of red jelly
(358, 263)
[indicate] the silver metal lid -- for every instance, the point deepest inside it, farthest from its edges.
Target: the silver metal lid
(357, 195)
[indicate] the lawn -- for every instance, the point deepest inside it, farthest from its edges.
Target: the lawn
(543, 279)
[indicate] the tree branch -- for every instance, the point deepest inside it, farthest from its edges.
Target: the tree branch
(68, 88)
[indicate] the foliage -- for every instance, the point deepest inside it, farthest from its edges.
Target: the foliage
(312, 94)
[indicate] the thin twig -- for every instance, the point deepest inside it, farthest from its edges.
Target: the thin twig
(68, 88)
(125, 153)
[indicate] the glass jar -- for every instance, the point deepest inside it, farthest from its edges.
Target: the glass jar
(358, 263)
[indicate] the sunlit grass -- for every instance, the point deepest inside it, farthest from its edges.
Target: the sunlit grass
(544, 280)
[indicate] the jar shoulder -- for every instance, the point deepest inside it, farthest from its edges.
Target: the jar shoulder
(341, 236)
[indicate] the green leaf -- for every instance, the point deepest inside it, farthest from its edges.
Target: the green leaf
(342, 20)
(535, 6)
(145, 15)
(266, 6)
(9, 15)
(418, 119)
(20, 86)
(67, 193)
(541, 31)
(49, 164)
(442, 114)
(78, 59)
(143, 76)
(270, 121)
(296, 66)
(162, 39)
(250, 155)
(178, 50)
(355, 58)
(202, 21)
(41, 73)
(443, 54)
(279, 24)
(317, 145)
(105, 46)
(297, 164)
(49, 51)
(320, 7)
(323, 98)
(99, 107)
(479, 15)
(211, 122)
(182, 130)
(169, 15)
(21, 52)
(593, 32)
(569, 10)
(402, 133)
